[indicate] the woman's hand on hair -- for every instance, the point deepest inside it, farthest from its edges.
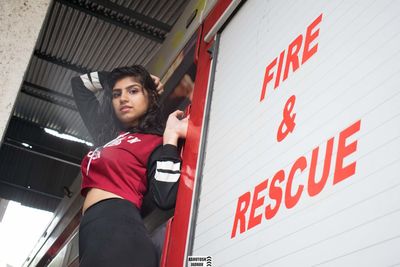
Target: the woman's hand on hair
(159, 84)
(175, 128)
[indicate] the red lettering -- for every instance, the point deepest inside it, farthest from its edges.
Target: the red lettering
(292, 57)
(244, 221)
(275, 192)
(291, 200)
(314, 187)
(267, 78)
(341, 172)
(278, 73)
(240, 215)
(311, 36)
(256, 203)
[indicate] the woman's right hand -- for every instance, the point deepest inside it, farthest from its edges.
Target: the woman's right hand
(175, 128)
(159, 84)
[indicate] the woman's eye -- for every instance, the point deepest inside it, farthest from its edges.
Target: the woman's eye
(133, 91)
(116, 94)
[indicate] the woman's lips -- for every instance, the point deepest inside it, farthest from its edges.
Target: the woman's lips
(125, 109)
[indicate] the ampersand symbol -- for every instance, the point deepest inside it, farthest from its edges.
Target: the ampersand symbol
(288, 119)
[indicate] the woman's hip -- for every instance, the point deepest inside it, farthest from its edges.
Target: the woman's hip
(112, 233)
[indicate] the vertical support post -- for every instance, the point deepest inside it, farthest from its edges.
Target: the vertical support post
(20, 24)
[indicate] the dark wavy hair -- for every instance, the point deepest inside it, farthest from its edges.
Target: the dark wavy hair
(151, 122)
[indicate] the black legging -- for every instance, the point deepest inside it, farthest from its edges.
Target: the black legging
(112, 233)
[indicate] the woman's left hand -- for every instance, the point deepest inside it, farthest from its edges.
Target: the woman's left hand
(159, 84)
(175, 128)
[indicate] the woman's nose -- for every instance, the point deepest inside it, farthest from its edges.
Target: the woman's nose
(124, 97)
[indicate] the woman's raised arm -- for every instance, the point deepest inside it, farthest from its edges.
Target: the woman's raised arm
(84, 88)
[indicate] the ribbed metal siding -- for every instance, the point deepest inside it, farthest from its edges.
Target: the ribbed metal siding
(91, 43)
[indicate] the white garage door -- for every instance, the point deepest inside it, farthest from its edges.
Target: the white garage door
(305, 172)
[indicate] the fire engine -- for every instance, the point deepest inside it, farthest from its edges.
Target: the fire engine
(292, 154)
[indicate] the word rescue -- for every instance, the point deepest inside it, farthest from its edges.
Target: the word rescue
(281, 189)
(274, 69)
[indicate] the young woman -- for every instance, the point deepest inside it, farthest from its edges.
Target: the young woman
(133, 153)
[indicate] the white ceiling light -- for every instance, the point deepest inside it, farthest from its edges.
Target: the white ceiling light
(26, 145)
(67, 137)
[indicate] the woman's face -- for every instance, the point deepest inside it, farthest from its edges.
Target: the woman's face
(130, 101)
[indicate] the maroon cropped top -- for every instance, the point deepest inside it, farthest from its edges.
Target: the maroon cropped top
(120, 166)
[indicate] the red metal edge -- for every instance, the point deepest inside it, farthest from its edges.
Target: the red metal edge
(175, 251)
(197, 48)
(163, 260)
(61, 240)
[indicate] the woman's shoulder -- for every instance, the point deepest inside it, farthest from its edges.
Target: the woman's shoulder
(147, 143)
(147, 137)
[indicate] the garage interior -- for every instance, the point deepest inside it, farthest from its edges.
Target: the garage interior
(45, 138)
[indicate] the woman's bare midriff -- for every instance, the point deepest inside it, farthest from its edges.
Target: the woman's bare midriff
(95, 195)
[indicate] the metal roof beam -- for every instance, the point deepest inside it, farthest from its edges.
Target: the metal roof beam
(61, 62)
(48, 95)
(23, 131)
(30, 190)
(9, 141)
(49, 91)
(121, 17)
(134, 15)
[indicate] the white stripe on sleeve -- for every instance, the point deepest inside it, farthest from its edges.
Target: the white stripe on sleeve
(95, 80)
(168, 165)
(88, 84)
(167, 177)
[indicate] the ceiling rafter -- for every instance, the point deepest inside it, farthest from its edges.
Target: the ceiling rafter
(61, 62)
(48, 95)
(121, 17)
(30, 190)
(44, 152)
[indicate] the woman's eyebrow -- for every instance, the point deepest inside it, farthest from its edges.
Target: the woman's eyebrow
(133, 85)
(129, 86)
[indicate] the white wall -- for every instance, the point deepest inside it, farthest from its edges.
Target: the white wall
(353, 76)
(20, 23)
